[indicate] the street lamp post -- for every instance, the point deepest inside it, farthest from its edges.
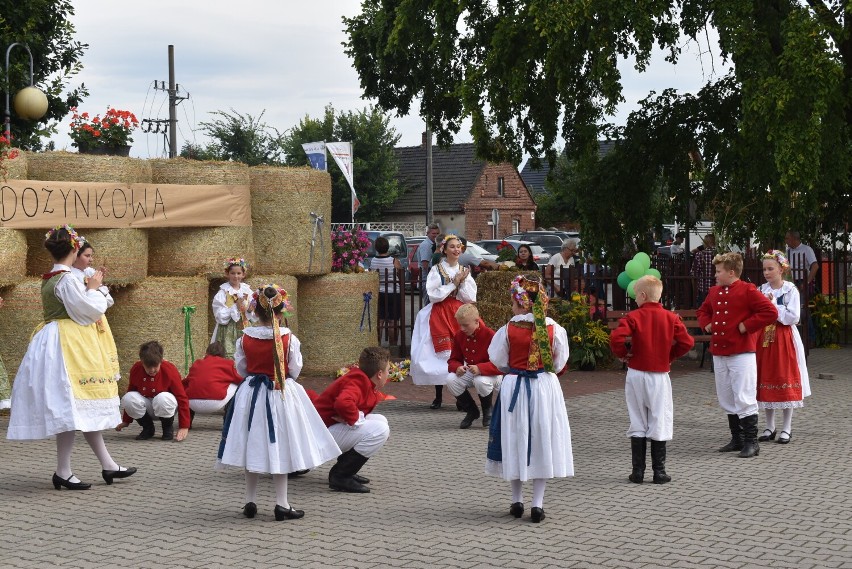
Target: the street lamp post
(30, 102)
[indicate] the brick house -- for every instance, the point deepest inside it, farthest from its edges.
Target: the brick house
(466, 191)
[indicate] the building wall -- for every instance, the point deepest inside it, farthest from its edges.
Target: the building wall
(515, 204)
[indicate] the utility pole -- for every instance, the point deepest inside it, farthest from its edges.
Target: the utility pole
(169, 126)
(429, 189)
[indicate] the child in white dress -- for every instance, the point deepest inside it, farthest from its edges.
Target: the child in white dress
(230, 306)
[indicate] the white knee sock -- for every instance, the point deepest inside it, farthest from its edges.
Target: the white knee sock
(251, 486)
(64, 446)
(788, 420)
(96, 442)
(770, 419)
(280, 481)
(538, 492)
(517, 491)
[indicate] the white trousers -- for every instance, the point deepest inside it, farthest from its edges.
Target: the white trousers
(212, 405)
(162, 405)
(484, 384)
(367, 438)
(736, 383)
(649, 404)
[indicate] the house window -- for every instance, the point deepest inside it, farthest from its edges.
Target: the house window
(500, 186)
(516, 226)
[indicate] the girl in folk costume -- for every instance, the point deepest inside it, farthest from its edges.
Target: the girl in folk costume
(782, 374)
(530, 437)
(272, 426)
(67, 380)
(5, 389)
(230, 306)
(449, 285)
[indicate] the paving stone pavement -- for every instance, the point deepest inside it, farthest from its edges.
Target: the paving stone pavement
(432, 506)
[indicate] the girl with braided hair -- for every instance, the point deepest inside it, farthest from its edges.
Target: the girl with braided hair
(272, 427)
(530, 437)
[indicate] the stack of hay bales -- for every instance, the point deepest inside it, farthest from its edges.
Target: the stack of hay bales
(190, 251)
(20, 314)
(492, 297)
(331, 307)
(74, 167)
(13, 256)
(282, 200)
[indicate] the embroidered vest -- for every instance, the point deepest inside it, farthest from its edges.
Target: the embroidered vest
(520, 337)
(259, 355)
(52, 307)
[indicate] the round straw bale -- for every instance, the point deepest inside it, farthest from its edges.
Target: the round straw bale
(282, 200)
(200, 172)
(495, 314)
(13, 255)
(493, 286)
(124, 252)
(16, 169)
(20, 314)
(152, 310)
(74, 167)
(330, 310)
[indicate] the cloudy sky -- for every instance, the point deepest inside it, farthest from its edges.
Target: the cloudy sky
(284, 58)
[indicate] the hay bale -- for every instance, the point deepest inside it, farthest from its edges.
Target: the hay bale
(16, 169)
(330, 308)
(13, 256)
(493, 286)
(282, 200)
(152, 310)
(198, 250)
(495, 314)
(124, 252)
(286, 282)
(20, 314)
(74, 167)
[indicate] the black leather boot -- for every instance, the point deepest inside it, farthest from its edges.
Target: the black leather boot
(340, 475)
(469, 405)
(750, 445)
(486, 409)
(638, 448)
(168, 427)
(439, 395)
(147, 423)
(658, 462)
(736, 443)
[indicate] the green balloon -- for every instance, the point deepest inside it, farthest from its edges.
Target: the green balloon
(654, 273)
(623, 280)
(630, 290)
(634, 269)
(643, 259)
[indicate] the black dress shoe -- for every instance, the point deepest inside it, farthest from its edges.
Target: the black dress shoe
(536, 515)
(360, 479)
(298, 473)
(59, 482)
(110, 475)
(250, 509)
(767, 437)
(436, 404)
(784, 441)
(287, 513)
(517, 509)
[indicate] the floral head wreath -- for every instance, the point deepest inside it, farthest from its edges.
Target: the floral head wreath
(269, 304)
(540, 353)
(235, 262)
(448, 238)
(778, 256)
(521, 288)
(77, 241)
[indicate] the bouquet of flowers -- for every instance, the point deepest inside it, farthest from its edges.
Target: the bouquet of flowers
(398, 370)
(348, 250)
(111, 130)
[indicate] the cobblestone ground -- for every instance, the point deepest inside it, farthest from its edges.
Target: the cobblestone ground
(432, 506)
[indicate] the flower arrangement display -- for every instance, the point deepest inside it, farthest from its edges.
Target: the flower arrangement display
(110, 131)
(826, 314)
(348, 250)
(588, 338)
(6, 153)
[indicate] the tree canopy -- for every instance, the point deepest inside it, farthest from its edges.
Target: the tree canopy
(239, 137)
(44, 26)
(759, 150)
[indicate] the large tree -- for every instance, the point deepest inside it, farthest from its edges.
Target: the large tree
(769, 142)
(239, 137)
(44, 26)
(374, 166)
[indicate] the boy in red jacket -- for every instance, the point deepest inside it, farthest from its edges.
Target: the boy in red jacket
(733, 312)
(346, 408)
(639, 341)
(469, 362)
(211, 382)
(155, 390)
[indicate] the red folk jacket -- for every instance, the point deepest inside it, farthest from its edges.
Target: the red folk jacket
(345, 397)
(167, 380)
(210, 377)
(725, 307)
(651, 329)
(473, 350)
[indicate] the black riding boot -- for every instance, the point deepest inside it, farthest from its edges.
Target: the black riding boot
(658, 462)
(486, 409)
(168, 427)
(340, 477)
(469, 405)
(439, 392)
(638, 448)
(736, 435)
(147, 423)
(750, 444)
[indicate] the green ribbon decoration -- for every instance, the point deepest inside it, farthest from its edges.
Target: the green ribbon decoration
(188, 352)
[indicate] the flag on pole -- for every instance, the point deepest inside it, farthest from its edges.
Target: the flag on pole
(316, 154)
(342, 154)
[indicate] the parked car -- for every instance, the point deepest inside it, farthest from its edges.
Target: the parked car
(412, 275)
(551, 241)
(540, 256)
(480, 252)
(398, 247)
